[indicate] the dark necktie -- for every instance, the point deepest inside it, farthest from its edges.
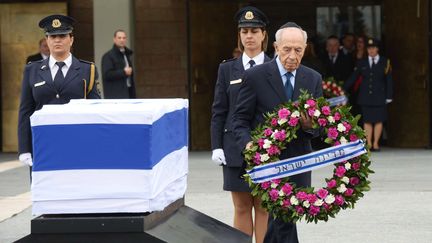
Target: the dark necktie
(252, 63)
(289, 90)
(332, 59)
(373, 62)
(59, 78)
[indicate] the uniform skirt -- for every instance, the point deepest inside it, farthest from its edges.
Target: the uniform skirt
(232, 181)
(373, 114)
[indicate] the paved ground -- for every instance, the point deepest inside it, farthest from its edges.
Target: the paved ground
(397, 209)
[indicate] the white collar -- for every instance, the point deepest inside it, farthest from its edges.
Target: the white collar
(258, 59)
(67, 61)
(376, 58)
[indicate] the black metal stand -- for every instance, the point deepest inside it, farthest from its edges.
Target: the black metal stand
(176, 223)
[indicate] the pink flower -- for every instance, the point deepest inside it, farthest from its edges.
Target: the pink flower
(311, 112)
(322, 122)
(276, 181)
(312, 198)
(340, 171)
(283, 113)
(293, 121)
(287, 189)
(313, 210)
(280, 135)
(268, 132)
(274, 194)
(265, 185)
(274, 122)
(326, 206)
(332, 133)
(356, 166)
(336, 143)
(257, 158)
(326, 110)
(354, 181)
(299, 210)
(273, 150)
(322, 193)
(302, 195)
(337, 116)
(261, 143)
(349, 192)
(331, 184)
(311, 103)
(347, 126)
(286, 203)
(353, 137)
(339, 200)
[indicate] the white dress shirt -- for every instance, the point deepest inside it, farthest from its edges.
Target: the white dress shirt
(53, 67)
(258, 59)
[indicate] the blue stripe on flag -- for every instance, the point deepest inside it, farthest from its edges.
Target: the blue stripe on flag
(108, 146)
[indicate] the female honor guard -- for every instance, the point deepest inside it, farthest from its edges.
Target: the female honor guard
(374, 93)
(55, 80)
(252, 41)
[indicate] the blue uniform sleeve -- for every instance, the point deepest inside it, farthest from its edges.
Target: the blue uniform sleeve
(220, 109)
(26, 109)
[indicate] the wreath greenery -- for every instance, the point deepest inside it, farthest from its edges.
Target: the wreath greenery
(280, 196)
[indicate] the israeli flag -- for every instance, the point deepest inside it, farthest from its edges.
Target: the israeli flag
(109, 156)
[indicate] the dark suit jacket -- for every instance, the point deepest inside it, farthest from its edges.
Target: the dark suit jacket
(38, 89)
(341, 69)
(262, 91)
(114, 77)
(33, 58)
(227, 86)
(377, 84)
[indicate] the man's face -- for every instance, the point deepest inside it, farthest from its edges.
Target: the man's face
(348, 42)
(332, 46)
(252, 38)
(59, 45)
(43, 48)
(120, 39)
(290, 48)
(372, 51)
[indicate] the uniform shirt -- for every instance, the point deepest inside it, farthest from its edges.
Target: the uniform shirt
(283, 71)
(258, 59)
(54, 68)
(376, 59)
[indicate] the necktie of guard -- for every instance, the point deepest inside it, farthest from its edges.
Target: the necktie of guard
(289, 90)
(59, 78)
(373, 62)
(252, 63)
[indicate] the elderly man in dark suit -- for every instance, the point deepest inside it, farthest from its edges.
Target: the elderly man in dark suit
(43, 54)
(267, 86)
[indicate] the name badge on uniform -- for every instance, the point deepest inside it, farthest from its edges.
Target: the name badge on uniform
(39, 84)
(237, 81)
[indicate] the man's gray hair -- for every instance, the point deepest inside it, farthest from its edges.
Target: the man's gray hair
(278, 34)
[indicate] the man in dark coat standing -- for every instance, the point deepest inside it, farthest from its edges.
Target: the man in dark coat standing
(43, 54)
(264, 88)
(336, 63)
(117, 72)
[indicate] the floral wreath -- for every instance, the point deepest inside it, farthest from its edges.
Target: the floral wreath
(331, 88)
(282, 197)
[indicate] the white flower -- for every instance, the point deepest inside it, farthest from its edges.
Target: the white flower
(341, 127)
(318, 202)
(282, 121)
(273, 185)
(306, 106)
(264, 157)
(331, 119)
(295, 114)
(273, 134)
(306, 204)
(347, 166)
(267, 143)
(343, 140)
(294, 201)
(342, 188)
(345, 180)
(281, 193)
(317, 113)
(329, 199)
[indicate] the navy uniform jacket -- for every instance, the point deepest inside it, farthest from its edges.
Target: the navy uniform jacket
(377, 83)
(38, 89)
(227, 86)
(262, 91)
(341, 69)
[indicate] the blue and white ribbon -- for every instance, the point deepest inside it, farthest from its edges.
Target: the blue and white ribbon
(308, 162)
(340, 100)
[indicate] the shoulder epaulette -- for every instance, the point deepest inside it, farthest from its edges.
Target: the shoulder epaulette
(30, 62)
(388, 67)
(84, 61)
(229, 60)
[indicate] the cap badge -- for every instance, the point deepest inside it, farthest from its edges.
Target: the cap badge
(56, 23)
(249, 15)
(370, 42)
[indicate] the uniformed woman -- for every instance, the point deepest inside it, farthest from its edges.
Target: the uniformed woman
(55, 80)
(252, 41)
(374, 93)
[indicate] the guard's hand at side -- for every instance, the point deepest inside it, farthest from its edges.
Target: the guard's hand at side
(218, 157)
(26, 159)
(305, 121)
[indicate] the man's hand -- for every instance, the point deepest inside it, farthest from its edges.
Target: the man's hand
(218, 157)
(26, 159)
(305, 122)
(128, 71)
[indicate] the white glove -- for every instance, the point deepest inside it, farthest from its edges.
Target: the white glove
(218, 157)
(26, 159)
(388, 101)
